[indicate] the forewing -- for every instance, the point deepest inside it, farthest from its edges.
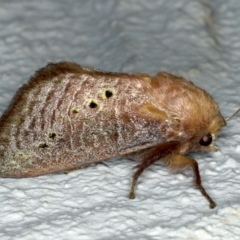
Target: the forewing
(68, 116)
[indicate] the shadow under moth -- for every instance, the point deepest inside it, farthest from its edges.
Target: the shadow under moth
(68, 116)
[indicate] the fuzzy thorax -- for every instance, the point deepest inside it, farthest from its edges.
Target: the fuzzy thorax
(193, 108)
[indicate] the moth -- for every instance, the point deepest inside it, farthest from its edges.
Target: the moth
(68, 116)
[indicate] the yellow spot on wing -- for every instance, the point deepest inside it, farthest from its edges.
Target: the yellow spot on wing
(156, 112)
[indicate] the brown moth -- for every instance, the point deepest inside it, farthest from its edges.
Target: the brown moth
(68, 116)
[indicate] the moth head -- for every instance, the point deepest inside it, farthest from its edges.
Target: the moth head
(206, 140)
(202, 121)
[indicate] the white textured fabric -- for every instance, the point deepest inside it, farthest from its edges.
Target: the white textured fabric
(199, 40)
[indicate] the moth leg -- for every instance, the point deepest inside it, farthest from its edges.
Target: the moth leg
(180, 161)
(151, 155)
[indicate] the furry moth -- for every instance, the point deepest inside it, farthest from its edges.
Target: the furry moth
(68, 116)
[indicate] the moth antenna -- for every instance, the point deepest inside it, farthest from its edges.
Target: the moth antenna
(228, 118)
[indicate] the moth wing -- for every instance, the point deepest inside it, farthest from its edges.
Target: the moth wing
(64, 118)
(160, 128)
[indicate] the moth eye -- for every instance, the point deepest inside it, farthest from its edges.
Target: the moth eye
(206, 140)
(93, 104)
